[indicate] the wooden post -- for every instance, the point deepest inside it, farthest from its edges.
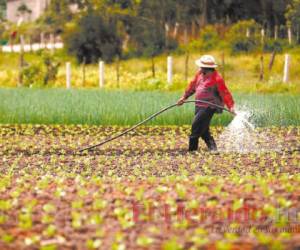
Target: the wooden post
(153, 66)
(186, 73)
(297, 34)
(286, 73)
(21, 61)
(83, 71)
(272, 60)
(170, 69)
(261, 75)
(101, 74)
(118, 71)
(68, 75)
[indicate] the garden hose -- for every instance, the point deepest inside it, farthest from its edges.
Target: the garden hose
(152, 117)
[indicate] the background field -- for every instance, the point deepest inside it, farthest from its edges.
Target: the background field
(95, 107)
(241, 72)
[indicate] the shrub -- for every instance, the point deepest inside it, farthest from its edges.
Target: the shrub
(237, 39)
(32, 74)
(208, 40)
(41, 73)
(243, 45)
(275, 45)
(94, 38)
(149, 39)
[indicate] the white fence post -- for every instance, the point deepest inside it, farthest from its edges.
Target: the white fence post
(170, 69)
(68, 75)
(286, 74)
(263, 35)
(101, 74)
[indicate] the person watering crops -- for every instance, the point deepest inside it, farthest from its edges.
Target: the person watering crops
(208, 85)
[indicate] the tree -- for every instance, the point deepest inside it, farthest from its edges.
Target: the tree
(57, 15)
(24, 11)
(293, 18)
(2, 9)
(293, 13)
(94, 38)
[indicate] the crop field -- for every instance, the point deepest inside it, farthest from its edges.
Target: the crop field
(104, 107)
(145, 191)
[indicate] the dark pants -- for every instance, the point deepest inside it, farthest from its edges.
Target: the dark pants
(200, 128)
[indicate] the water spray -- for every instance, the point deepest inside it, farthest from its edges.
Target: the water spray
(152, 117)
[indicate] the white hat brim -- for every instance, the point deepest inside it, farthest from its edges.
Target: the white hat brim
(202, 65)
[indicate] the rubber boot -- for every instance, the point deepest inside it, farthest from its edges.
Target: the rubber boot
(193, 144)
(211, 144)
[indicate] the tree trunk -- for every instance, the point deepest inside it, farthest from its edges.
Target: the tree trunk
(175, 33)
(42, 42)
(297, 34)
(203, 17)
(126, 42)
(193, 32)
(276, 32)
(167, 30)
(186, 37)
(290, 36)
(30, 43)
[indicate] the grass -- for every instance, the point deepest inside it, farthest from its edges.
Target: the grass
(95, 107)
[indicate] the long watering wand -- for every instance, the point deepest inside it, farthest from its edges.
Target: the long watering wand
(152, 117)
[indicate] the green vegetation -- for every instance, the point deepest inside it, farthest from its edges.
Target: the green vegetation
(89, 46)
(58, 106)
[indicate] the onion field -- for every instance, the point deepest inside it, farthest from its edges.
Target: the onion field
(123, 108)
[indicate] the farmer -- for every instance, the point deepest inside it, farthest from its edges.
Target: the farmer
(209, 86)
